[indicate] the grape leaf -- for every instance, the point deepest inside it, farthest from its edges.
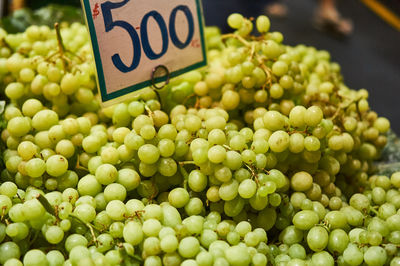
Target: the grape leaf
(46, 204)
(21, 19)
(390, 157)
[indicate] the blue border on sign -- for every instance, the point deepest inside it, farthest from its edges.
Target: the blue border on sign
(99, 67)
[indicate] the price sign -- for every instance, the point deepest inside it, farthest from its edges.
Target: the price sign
(132, 38)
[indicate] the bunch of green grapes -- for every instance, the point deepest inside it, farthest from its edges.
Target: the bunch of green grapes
(363, 230)
(250, 76)
(55, 67)
(119, 232)
(266, 139)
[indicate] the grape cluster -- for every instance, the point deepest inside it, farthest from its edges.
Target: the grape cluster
(364, 229)
(264, 157)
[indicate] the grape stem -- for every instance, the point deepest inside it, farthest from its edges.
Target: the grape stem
(184, 173)
(62, 51)
(253, 173)
(265, 68)
(3, 212)
(235, 36)
(139, 214)
(374, 211)
(5, 43)
(290, 132)
(153, 184)
(79, 167)
(227, 147)
(61, 47)
(93, 234)
(197, 103)
(325, 225)
(35, 236)
(158, 98)
(252, 53)
(84, 223)
(265, 171)
(187, 98)
(149, 112)
(21, 199)
(186, 162)
(56, 214)
(252, 50)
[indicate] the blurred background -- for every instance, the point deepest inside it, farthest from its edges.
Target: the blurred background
(363, 36)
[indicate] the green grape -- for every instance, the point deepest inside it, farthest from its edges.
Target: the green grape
(291, 235)
(152, 211)
(8, 189)
(322, 258)
(305, 219)
(311, 143)
(13, 262)
(313, 116)
(55, 257)
(317, 238)
(14, 90)
(85, 212)
(19, 126)
(178, 197)
(44, 120)
(375, 256)
(273, 120)
(114, 191)
(237, 255)
(88, 185)
(148, 153)
(35, 257)
(133, 233)
(91, 144)
(166, 147)
(279, 141)
(26, 150)
(352, 255)
(56, 165)
(78, 253)
(301, 181)
(54, 234)
(151, 227)
(116, 210)
(336, 219)
(33, 209)
(106, 174)
(129, 178)
(338, 241)
(105, 242)
(9, 250)
(247, 188)
(297, 251)
(167, 167)
(109, 155)
(216, 154)
(197, 181)
(263, 24)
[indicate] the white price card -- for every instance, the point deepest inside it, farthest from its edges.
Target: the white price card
(130, 38)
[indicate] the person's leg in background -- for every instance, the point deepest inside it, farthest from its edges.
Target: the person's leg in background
(276, 9)
(327, 17)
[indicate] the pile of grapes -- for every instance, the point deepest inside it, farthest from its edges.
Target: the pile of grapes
(264, 157)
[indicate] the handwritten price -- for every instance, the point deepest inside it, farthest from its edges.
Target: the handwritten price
(143, 41)
(131, 39)
(195, 43)
(96, 11)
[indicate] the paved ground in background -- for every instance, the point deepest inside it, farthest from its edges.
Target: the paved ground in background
(370, 58)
